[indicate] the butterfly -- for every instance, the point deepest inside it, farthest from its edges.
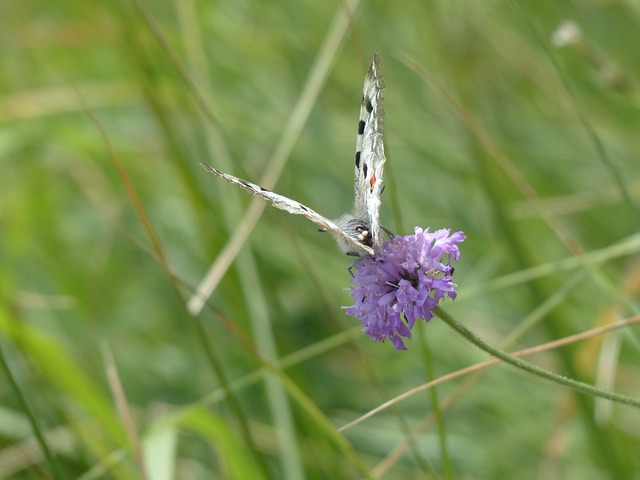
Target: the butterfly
(357, 233)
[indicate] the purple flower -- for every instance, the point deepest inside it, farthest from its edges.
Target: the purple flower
(403, 282)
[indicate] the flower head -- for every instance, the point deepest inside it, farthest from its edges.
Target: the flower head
(404, 282)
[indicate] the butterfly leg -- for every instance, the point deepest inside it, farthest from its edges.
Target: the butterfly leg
(387, 231)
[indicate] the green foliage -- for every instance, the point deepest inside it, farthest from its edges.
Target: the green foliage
(109, 225)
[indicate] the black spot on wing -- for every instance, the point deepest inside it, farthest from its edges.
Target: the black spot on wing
(369, 106)
(264, 190)
(303, 207)
(358, 160)
(361, 126)
(365, 169)
(246, 184)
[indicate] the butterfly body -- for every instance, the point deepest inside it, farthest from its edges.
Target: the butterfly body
(356, 233)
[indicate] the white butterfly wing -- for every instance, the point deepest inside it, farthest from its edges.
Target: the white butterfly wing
(357, 233)
(370, 159)
(346, 242)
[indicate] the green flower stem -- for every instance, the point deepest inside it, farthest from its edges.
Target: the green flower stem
(516, 362)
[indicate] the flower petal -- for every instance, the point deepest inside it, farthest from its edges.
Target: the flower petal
(404, 280)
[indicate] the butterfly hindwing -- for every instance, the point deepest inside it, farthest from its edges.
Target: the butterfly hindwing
(370, 159)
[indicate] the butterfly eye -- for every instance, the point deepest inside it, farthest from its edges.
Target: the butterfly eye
(363, 235)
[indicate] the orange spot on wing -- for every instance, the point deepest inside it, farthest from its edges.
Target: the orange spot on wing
(372, 180)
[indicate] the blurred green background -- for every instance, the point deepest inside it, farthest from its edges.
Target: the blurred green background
(525, 140)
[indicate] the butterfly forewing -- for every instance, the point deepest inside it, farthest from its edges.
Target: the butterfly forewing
(292, 206)
(370, 159)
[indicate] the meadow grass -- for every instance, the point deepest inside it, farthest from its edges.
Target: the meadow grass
(159, 323)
